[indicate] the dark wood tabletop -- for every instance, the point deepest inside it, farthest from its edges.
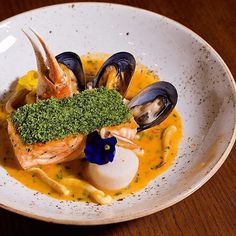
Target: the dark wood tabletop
(212, 209)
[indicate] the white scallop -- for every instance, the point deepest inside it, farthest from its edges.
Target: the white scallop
(117, 174)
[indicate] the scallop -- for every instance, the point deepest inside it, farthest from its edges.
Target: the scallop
(117, 174)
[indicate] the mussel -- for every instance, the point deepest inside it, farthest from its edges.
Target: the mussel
(149, 108)
(124, 64)
(153, 104)
(73, 62)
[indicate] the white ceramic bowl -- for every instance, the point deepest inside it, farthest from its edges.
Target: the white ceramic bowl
(206, 99)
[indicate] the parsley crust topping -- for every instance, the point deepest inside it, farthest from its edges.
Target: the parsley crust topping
(57, 118)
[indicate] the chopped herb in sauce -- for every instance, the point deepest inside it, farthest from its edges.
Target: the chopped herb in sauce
(91, 62)
(136, 180)
(57, 118)
(150, 137)
(157, 166)
(59, 175)
(118, 193)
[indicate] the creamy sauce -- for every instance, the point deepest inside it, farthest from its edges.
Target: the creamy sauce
(150, 140)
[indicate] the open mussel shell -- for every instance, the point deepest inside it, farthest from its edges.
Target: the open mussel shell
(153, 104)
(73, 62)
(124, 64)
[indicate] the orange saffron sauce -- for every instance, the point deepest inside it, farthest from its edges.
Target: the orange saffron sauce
(150, 140)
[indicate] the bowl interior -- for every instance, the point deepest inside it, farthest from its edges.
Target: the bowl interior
(206, 99)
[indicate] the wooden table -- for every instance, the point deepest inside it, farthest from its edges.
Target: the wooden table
(212, 209)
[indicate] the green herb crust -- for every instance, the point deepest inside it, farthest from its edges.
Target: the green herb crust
(83, 113)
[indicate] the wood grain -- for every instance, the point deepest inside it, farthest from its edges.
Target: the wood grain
(212, 209)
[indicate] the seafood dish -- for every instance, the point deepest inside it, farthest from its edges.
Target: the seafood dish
(92, 128)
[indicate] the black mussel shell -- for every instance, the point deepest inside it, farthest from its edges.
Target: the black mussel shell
(73, 62)
(124, 64)
(161, 96)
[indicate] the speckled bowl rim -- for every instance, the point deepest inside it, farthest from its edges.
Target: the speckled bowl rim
(184, 194)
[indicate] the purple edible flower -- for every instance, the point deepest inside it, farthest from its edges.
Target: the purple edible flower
(98, 150)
